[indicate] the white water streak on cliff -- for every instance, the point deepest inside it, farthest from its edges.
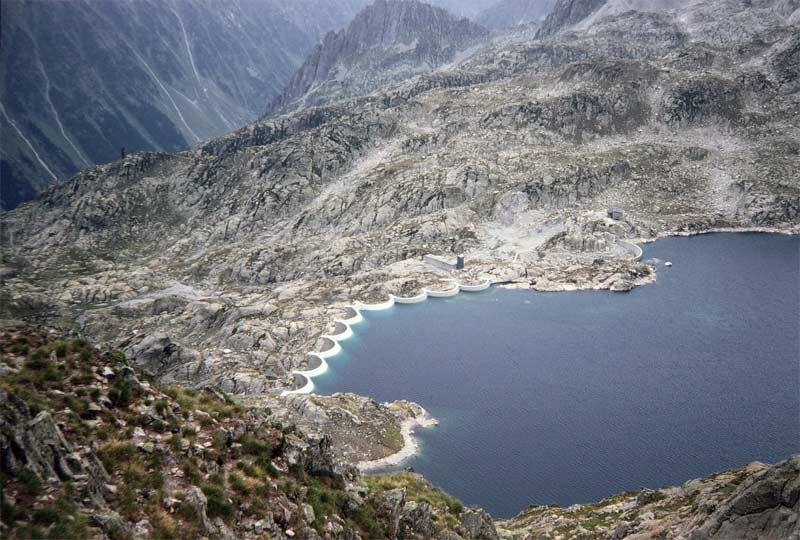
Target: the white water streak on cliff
(169, 96)
(80, 154)
(227, 122)
(190, 100)
(199, 84)
(189, 50)
(24, 138)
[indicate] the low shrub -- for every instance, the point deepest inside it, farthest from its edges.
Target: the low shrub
(121, 394)
(161, 406)
(256, 447)
(115, 455)
(20, 348)
(32, 484)
(218, 505)
(238, 484)
(78, 345)
(323, 500)
(62, 519)
(60, 349)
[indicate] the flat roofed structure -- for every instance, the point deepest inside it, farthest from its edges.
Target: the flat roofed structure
(443, 263)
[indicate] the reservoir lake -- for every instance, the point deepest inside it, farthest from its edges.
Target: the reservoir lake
(569, 397)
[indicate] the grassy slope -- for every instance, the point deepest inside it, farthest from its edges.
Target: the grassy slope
(156, 444)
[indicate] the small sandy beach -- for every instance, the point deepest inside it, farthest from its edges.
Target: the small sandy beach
(410, 444)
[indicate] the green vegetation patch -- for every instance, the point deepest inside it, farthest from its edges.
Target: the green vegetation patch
(417, 490)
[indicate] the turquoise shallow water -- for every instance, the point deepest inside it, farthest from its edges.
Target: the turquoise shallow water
(570, 397)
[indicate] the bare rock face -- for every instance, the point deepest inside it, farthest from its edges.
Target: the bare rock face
(36, 444)
(311, 452)
(765, 507)
(388, 41)
(566, 13)
(197, 501)
(697, 100)
(417, 521)
(155, 354)
(111, 523)
(476, 524)
(390, 505)
(786, 60)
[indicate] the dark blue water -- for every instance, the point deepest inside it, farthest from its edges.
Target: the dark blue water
(570, 397)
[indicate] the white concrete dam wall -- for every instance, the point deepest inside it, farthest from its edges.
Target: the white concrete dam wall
(343, 328)
(634, 250)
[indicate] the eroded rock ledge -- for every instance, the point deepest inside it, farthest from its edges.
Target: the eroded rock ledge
(758, 502)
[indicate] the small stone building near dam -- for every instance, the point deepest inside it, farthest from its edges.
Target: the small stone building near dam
(616, 213)
(444, 264)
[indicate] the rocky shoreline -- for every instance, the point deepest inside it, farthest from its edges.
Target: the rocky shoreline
(423, 420)
(730, 505)
(795, 229)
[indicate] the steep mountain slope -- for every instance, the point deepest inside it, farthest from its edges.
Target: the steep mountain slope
(568, 12)
(91, 451)
(387, 42)
(81, 79)
(508, 13)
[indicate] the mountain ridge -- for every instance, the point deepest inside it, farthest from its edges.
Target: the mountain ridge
(386, 42)
(566, 13)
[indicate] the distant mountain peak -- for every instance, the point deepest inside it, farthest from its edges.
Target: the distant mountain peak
(566, 13)
(387, 41)
(510, 13)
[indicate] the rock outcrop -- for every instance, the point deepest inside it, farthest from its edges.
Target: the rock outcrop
(756, 502)
(766, 506)
(34, 444)
(567, 12)
(476, 524)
